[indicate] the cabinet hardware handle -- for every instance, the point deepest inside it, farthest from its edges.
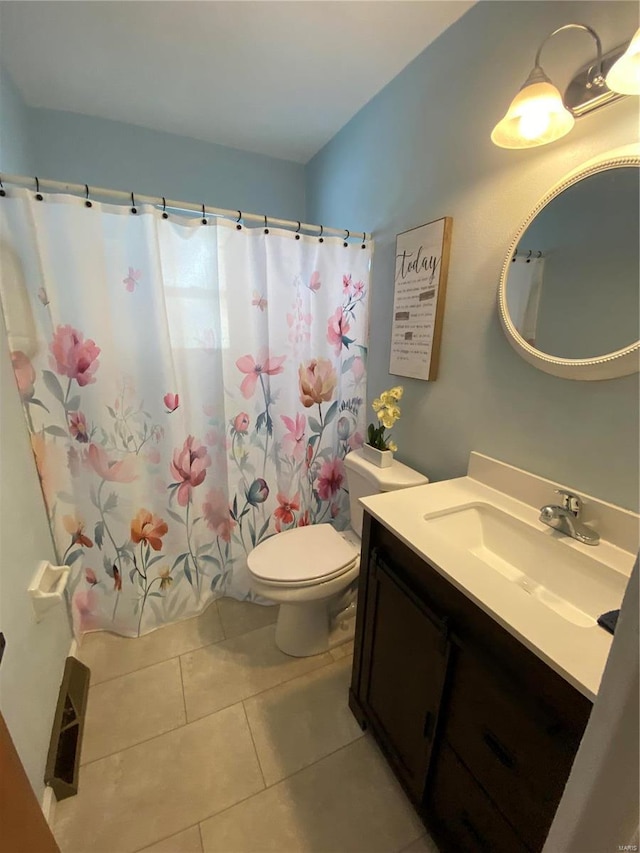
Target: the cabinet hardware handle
(481, 840)
(428, 726)
(501, 752)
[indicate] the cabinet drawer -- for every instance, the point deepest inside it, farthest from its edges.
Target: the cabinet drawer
(465, 819)
(520, 751)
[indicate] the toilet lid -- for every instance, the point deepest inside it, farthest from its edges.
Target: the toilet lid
(316, 552)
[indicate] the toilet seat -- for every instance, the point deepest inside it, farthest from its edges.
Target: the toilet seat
(304, 556)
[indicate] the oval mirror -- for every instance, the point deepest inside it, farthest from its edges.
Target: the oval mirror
(569, 294)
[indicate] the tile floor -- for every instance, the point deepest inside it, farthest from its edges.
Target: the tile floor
(204, 738)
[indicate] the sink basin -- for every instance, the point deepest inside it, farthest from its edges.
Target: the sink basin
(575, 586)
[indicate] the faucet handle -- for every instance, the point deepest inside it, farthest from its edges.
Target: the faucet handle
(571, 502)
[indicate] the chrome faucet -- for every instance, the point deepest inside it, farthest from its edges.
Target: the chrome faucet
(566, 518)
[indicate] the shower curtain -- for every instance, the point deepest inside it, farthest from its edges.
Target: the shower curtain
(189, 389)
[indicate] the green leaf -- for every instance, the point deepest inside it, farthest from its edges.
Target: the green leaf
(108, 566)
(73, 404)
(35, 402)
(187, 570)
(208, 558)
(346, 365)
(263, 530)
(57, 431)
(333, 408)
(111, 502)
(98, 533)
(315, 425)
(111, 411)
(252, 533)
(53, 384)
(178, 560)
(155, 560)
(175, 516)
(73, 556)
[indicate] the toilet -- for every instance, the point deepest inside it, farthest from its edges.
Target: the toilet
(312, 571)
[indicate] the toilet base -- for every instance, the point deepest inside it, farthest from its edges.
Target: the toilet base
(303, 630)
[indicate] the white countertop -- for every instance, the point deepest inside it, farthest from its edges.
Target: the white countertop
(575, 652)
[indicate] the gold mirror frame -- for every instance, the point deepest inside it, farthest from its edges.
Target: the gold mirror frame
(622, 362)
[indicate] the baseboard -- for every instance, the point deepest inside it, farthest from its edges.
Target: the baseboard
(73, 648)
(49, 805)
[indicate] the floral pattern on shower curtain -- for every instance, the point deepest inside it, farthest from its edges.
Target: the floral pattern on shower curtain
(189, 389)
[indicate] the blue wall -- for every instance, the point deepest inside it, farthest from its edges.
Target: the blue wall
(15, 143)
(420, 150)
(81, 149)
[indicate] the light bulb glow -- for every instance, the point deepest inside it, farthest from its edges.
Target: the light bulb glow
(536, 116)
(624, 75)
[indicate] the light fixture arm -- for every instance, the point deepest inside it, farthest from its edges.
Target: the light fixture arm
(599, 79)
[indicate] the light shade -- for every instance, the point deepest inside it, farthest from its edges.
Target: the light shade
(624, 75)
(536, 116)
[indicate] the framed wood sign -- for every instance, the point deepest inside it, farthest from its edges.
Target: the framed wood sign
(422, 264)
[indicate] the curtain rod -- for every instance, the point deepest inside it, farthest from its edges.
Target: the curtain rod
(159, 201)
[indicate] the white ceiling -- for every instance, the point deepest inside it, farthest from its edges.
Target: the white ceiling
(271, 77)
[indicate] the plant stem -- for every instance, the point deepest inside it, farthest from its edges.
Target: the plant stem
(193, 556)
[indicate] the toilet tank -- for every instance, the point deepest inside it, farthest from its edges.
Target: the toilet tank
(364, 478)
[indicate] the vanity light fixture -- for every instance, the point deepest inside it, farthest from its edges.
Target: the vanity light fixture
(538, 114)
(624, 75)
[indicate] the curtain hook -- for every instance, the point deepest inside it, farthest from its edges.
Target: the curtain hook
(298, 231)
(345, 244)
(3, 192)
(38, 193)
(204, 216)
(165, 215)
(87, 203)
(266, 230)
(134, 209)
(321, 239)
(364, 239)
(238, 226)
(539, 253)
(529, 257)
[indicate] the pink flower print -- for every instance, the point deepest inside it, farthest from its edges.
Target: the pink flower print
(330, 478)
(256, 367)
(171, 401)
(189, 467)
(346, 285)
(78, 427)
(73, 356)
(337, 329)
(299, 322)
(335, 509)
(284, 513)
(132, 280)
(303, 519)
(314, 282)
(293, 442)
(317, 380)
(90, 577)
(259, 301)
(355, 441)
(25, 374)
(241, 423)
(122, 471)
(42, 296)
(358, 368)
(83, 610)
(358, 289)
(215, 510)
(153, 456)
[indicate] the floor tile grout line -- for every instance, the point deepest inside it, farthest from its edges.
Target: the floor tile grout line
(179, 654)
(184, 700)
(253, 741)
(204, 716)
(266, 689)
(173, 834)
(280, 782)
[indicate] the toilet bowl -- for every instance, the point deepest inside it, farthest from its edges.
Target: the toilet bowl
(312, 571)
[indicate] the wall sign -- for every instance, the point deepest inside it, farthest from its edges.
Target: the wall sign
(422, 264)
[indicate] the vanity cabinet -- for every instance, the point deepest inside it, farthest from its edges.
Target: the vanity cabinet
(480, 732)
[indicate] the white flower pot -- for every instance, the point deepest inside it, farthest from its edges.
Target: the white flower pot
(381, 458)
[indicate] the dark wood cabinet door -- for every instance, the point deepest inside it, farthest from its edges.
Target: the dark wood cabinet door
(406, 668)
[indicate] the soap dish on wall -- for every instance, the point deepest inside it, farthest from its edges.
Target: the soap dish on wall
(47, 587)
